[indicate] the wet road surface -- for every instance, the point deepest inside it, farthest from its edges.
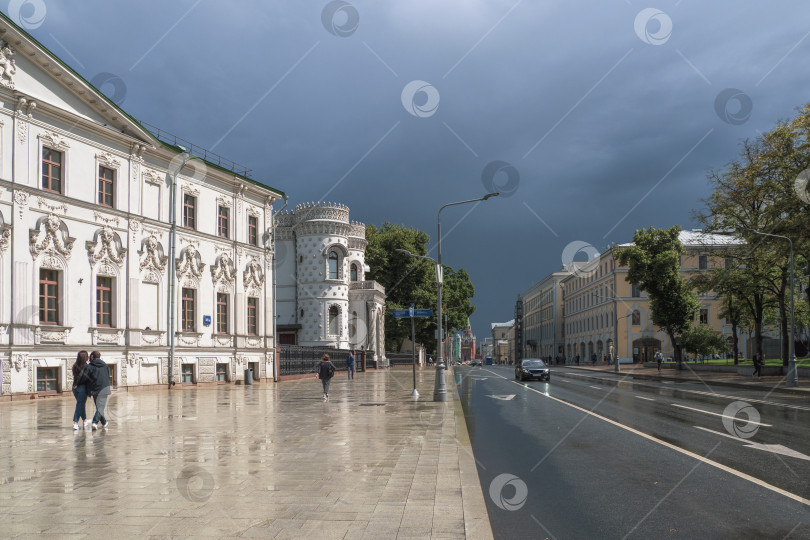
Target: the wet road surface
(589, 455)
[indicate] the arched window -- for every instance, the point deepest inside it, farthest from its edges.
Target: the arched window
(353, 275)
(334, 321)
(333, 265)
(636, 318)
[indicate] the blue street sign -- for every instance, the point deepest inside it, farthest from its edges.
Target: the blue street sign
(404, 313)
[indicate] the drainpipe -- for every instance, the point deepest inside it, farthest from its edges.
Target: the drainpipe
(173, 264)
(275, 304)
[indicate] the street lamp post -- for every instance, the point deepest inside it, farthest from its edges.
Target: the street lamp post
(440, 386)
(792, 378)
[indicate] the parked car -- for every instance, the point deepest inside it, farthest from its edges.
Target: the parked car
(532, 368)
(475, 362)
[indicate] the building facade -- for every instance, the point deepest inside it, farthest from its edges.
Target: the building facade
(601, 308)
(500, 341)
(543, 318)
(323, 298)
(84, 241)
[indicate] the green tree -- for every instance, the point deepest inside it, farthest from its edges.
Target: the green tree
(411, 280)
(654, 265)
(702, 341)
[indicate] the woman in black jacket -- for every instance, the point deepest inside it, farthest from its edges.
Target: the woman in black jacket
(80, 381)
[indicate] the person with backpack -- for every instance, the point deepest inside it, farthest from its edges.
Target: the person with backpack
(98, 375)
(350, 364)
(758, 363)
(326, 370)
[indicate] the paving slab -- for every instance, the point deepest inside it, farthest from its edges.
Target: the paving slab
(267, 460)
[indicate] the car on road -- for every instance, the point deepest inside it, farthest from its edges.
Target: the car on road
(475, 363)
(532, 368)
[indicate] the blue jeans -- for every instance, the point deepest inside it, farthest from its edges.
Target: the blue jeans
(350, 370)
(80, 393)
(101, 402)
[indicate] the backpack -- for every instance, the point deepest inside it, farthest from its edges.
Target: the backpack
(331, 371)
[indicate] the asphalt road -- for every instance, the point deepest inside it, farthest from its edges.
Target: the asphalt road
(592, 456)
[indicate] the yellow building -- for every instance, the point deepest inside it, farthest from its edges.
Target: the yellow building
(601, 307)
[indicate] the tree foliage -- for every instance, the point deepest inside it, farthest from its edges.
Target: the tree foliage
(411, 280)
(703, 341)
(654, 265)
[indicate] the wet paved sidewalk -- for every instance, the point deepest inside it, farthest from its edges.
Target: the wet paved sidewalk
(766, 383)
(266, 461)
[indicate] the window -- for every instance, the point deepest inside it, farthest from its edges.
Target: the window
(105, 186)
(333, 265)
(48, 297)
(47, 379)
(187, 373)
(223, 215)
(187, 308)
(189, 211)
(222, 372)
(704, 315)
(703, 262)
(353, 275)
(253, 230)
(103, 301)
(728, 262)
(636, 318)
(51, 170)
(252, 320)
(222, 313)
(636, 292)
(334, 321)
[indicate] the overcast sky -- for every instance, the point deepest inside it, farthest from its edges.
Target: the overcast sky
(607, 114)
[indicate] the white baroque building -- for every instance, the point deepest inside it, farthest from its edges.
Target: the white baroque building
(322, 295)
(84, 236)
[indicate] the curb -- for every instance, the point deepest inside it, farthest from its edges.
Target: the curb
(709, 382)
(476, 518)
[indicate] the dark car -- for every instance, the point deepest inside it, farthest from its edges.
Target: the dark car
(532, 368)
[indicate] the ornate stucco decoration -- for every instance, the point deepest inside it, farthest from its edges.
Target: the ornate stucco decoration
(54, 140)
(113, 337)
(52, 207)
(253, 277)
(112, 220)
(7, 66)
(55, 238)
(154, 177)
(189, 263)
(47, 335)
(190, 189)
(105, 248)
(20, 361)
(223, 272)
(23, 112)
(21, 198)
(224, 201)
(5, 236)
(108, 160)
(154, 262)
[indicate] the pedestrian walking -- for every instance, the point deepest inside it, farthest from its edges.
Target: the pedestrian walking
(593, 359)
(80, 390)
(350, 364)
(757, 365)
(577, 359)
(98, 375)
(326, 370)
(659, 358)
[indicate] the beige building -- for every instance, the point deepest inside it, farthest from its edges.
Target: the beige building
(601, 306)
(500, 341)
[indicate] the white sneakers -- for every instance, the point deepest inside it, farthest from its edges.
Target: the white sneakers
(75, 426)
(95, 426)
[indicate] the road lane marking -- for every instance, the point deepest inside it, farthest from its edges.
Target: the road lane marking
(643, 382)
(683, 451)
(503, 398)
(718, 414)
(646, 398)
(773, 448)
(598, 388)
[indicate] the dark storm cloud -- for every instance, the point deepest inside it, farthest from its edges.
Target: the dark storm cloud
(610, 119)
